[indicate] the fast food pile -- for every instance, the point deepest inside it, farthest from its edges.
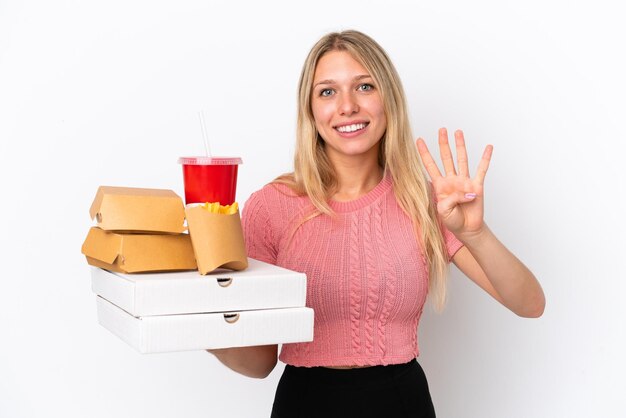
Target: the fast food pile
(197, 288)
(143, 230)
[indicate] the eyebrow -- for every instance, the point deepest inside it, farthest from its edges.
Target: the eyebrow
(357, 78)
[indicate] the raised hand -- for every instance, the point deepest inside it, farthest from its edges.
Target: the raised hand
(460, 199)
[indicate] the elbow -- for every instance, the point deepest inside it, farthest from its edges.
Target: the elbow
(533, 309)
(262, 375)
(254, 361)
(534, 313)
(263, 371)
(266, 361)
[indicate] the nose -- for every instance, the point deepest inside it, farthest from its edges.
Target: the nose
(348, 105)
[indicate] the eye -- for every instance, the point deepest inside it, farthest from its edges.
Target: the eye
(326, 92)
(365, 87)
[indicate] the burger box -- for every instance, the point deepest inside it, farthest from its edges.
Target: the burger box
(180, 311)
(136, 209)
(135, 253)
(138, 230)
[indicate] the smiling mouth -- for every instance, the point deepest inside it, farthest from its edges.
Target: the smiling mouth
(351, 128)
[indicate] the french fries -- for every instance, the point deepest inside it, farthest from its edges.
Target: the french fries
(215, 207)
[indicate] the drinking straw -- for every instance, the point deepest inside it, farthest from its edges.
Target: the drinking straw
(207, 148)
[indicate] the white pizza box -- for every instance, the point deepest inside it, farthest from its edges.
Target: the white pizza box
(167, 333)
(260, 286)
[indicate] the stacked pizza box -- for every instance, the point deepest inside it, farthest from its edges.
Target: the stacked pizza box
(150, 293)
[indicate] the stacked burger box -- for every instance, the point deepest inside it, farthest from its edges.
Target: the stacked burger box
(150, 294)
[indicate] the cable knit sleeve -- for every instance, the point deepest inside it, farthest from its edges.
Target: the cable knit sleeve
(257, 229)
(452, 243)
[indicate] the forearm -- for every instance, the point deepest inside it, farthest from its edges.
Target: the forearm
(256, 361)
(516, 285)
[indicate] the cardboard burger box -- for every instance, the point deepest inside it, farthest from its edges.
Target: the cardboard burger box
(136, 253)
(138, 230)
(180, 311)
(136, 209)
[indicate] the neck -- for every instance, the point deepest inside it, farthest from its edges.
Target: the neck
(356, 177)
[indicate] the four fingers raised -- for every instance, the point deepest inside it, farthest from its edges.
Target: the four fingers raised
(448, 160)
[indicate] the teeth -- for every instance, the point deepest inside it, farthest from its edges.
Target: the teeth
(351, 128)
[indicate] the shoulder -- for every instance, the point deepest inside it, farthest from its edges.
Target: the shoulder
(271, 193)
(275, 200)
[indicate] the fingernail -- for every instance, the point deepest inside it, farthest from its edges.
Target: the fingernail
(470, 195)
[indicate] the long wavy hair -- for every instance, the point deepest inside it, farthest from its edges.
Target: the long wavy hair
(314, 174)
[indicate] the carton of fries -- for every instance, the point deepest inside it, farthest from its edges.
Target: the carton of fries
(216, 236)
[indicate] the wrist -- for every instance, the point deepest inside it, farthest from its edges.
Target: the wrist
(471, 238)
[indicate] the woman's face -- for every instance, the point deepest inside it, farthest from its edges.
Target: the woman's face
(347, 107)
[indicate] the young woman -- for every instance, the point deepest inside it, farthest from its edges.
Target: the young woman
(374, 237)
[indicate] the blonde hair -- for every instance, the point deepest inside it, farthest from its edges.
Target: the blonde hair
(314, 174)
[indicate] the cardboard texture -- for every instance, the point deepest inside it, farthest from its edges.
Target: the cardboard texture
(133, 253)
(261, 286)
(217, 239)
(166, 333)
(138, 210)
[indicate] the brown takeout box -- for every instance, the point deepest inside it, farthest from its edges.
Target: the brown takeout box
(135, 253)
(138, 210)
(217, 239)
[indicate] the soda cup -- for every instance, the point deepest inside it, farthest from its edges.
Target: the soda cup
(210, 179)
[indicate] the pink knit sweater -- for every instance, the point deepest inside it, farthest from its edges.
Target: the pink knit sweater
(366, 275)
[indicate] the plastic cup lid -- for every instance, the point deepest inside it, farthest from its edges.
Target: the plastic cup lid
(210, 160)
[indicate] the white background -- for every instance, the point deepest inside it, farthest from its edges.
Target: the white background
(107, 93)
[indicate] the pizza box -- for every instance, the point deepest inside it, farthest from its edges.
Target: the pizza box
(202, 331)
(260, 286)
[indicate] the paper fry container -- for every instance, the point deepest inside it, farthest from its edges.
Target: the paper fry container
(217, 240)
